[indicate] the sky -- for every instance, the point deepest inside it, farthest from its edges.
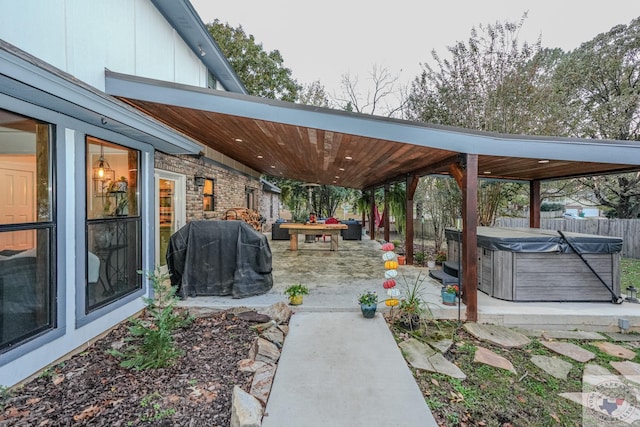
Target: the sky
(324, 40)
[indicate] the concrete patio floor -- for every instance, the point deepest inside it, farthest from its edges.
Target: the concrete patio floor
(335, 279)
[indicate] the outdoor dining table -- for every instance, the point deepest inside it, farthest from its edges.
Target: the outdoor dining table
(332, 229)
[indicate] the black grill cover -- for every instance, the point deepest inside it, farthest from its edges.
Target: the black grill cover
(219, 258)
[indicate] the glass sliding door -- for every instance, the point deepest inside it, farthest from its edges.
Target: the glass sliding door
(170, 210)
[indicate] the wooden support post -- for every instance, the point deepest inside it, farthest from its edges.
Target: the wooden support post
(385, 213)
(534, 204)
(470, 235)
(372, 215)
(411, 186)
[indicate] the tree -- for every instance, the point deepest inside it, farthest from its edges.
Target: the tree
(385, 97)
(600, 83)
(262, 73)
(442, 204)
(314, 94)
(490, 83)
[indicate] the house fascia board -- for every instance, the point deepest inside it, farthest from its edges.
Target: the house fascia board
(27, 78)
(186, 21)
(433, 136)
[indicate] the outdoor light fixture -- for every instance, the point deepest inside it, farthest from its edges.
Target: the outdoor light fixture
(632, 294)
(202, 52)
(102, 173)
(198, 180)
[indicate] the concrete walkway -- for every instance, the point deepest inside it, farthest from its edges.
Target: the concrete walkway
(340, 369)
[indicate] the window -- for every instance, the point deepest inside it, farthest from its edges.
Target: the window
(113, 223)
(208, 195)
(27, 229)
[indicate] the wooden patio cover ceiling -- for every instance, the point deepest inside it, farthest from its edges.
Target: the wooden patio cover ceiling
(320, 155)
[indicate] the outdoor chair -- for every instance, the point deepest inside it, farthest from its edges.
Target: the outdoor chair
(329, 221)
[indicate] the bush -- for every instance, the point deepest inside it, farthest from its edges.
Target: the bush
(153, 335)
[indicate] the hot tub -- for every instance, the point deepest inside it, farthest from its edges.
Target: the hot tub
(530, 264)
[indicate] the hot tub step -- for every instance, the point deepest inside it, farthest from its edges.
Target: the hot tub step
(451, 268)
(443, 277)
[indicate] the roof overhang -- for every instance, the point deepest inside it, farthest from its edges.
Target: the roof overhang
(25, 77)
(328, 146)
(183, 17)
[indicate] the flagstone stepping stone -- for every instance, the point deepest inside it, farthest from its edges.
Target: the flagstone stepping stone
(630, 370)
(617, 336)
(421, 356)
(615, 350)
(498, 335)
(488, 357)
(595, 374)
(572, 335)
(625, 415)
(573, 351)
(552, 366)
(442, 346)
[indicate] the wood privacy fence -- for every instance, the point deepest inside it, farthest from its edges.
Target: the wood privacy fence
(628, 229)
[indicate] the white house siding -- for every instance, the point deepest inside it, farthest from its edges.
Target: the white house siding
(83, 37)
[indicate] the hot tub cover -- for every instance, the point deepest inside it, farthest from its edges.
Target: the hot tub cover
(539, 240)
(219, 258)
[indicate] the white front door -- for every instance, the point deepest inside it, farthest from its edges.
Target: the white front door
(17, 200)
(170, 210)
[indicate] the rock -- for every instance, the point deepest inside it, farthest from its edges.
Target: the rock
(572, 335)
(264, 351)
(630, 370)
(552, 366)
(595, 374)
(617, 336)
(488, 357)
(199, 312)
(442, 346)
(573, 351)
(249, 365)
(498, 335)
(421, 356)
(280, 312)
(262, 381)
(284, 329)
(261, 327)
(274, 335)
(253, 316)
(246, 410)
(615, 350)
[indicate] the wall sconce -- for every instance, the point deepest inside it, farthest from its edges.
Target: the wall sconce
(198, 180)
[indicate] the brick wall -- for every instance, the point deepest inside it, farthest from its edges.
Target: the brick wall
(229, 185)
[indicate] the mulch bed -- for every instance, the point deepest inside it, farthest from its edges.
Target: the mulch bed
(92, 389)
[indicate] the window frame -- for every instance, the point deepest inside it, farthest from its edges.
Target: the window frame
(54, 321)
(211, 196)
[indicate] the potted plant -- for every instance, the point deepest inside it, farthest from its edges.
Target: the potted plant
(295, 293)
(449, 294)
(368, 301)
(419, 258)
(441, 257)
(399, 250)
(412, 307)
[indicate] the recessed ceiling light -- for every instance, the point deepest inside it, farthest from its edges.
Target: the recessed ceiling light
(340, 169)
(260, 157)
(237, 139)
(543, 161)
(337, 177)
(335, 182)
(348, 157)
(487, 172)
(273, 166)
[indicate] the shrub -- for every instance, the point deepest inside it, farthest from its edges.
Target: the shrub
(153, 334)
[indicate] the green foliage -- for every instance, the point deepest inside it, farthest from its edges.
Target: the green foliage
(442, 204)
(368, 298)
(152, 335)
(630, 269)
(296, 289)
(263, 73)
(150, 403)
(419, 258)
(5, 395)
(551, 207)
